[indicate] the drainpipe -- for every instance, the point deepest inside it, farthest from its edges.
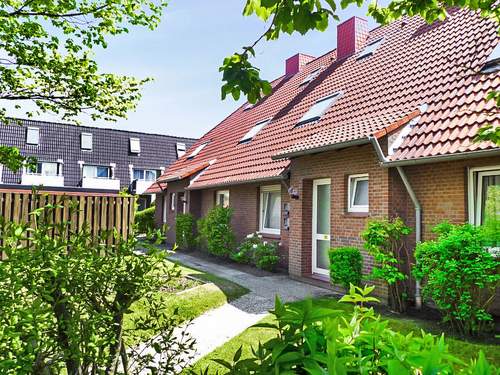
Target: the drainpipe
(416, 204)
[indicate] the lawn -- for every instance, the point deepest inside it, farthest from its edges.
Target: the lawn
(463, 349)
(193, 294)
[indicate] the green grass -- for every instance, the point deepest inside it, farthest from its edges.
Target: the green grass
(463, 349)
(205, 292)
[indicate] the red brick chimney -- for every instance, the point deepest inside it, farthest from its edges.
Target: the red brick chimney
(295, 63)
(351, 36)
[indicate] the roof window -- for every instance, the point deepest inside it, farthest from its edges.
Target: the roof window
(370, 48)
(135, 145)
(33, 136)
(312, 76)
(253, 131)
(86, 141)
(248, 106)
(180, 147)
(493, 62)
(197, 150)
(319, 108)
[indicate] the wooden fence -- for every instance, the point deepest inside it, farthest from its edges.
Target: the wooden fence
(101, 212)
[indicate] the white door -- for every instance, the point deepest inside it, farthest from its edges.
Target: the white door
(321, 226)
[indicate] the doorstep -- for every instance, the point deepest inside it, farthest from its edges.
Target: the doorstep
(319, 281)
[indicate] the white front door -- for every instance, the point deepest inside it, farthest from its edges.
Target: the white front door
(321, 226)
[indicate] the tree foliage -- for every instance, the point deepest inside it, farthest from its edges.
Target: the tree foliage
(64, 296)
(47, 58)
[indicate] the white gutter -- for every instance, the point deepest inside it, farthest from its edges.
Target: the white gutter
(416, 204)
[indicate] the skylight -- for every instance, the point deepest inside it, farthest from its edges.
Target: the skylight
(319, 108)
(253, 131)
(370, 48)
(493, 62)
(248, 106)
(197, 150)
(135, 145)
(311, 76)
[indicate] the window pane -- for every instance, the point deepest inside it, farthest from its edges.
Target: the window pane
(86, 141)
(322, 248)
(317, 109)
(323, 209)
(150, 175)
(89, 171)
(361, 193)
(33, 136)
(487, 197)
(49, 169)
(273, 210)
(103, 172)
(138, 174)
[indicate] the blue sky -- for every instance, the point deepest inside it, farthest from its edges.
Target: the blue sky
(183, 56)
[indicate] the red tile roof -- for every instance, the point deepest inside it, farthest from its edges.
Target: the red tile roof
(156, 187)
(416, 64)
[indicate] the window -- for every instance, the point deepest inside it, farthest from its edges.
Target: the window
(319, 108)
(248, 106)
(222, 198)
(484, 194)
(358, 193)
(253, 131)
(493, 62)
(145, 174)
(33, 136)
(135, 145)
(45, 169)
(270, 209)
(86, 141)
(172, 201)
(311, 76)
(96, 171)
(165, 208)
(370, 48)
(197, 150)
(181, 149)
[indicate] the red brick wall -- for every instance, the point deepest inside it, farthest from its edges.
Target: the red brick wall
(345, 226)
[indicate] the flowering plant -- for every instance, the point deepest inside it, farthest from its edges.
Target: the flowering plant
(255, 250)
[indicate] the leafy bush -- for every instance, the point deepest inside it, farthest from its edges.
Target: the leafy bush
(254, 250)
(459, 275)
(215, 231)
(320, 340)
(346, 264)
(384, 240)
(63, 300)
(145, 220)
(184, 231)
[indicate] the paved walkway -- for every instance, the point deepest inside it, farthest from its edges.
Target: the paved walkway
(217, 326)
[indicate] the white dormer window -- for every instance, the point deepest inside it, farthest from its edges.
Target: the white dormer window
(181, 149)
(33, 136)
(319, 108)
(370, 48)
(197, 150)
(86, 141)
(493, 62)
(135, 145)
(253, 131)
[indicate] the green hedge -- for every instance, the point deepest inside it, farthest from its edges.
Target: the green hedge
(184, 231)
(346, 264)
(215, 231)
(145, 220)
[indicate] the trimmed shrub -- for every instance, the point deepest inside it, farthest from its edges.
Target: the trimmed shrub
(184, 231)
(459, 275)
(346, 264)
(215, 231)
(254, 250)
(145, 220)
(384, 240)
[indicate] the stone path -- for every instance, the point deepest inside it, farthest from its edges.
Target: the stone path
(217, 326)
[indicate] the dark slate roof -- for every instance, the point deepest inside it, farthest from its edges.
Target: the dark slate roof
(62, 141)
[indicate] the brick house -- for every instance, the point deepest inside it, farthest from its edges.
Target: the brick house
(381, 126)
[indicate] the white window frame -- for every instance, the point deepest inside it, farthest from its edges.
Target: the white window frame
(370, 48)
(254, 130)
(44, 163)
(110, 169)
(197, 150)
(224, 193)
(144, 170)
(89, 138)
(165, 208)
(332, 99)
(475, 201)
(263, 205)
(33, 129)
(172, 201)
(351, 192)
(312, 76)
(180, 148)
(135, 145)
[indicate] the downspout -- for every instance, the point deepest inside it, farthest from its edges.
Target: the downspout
(416, 204)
